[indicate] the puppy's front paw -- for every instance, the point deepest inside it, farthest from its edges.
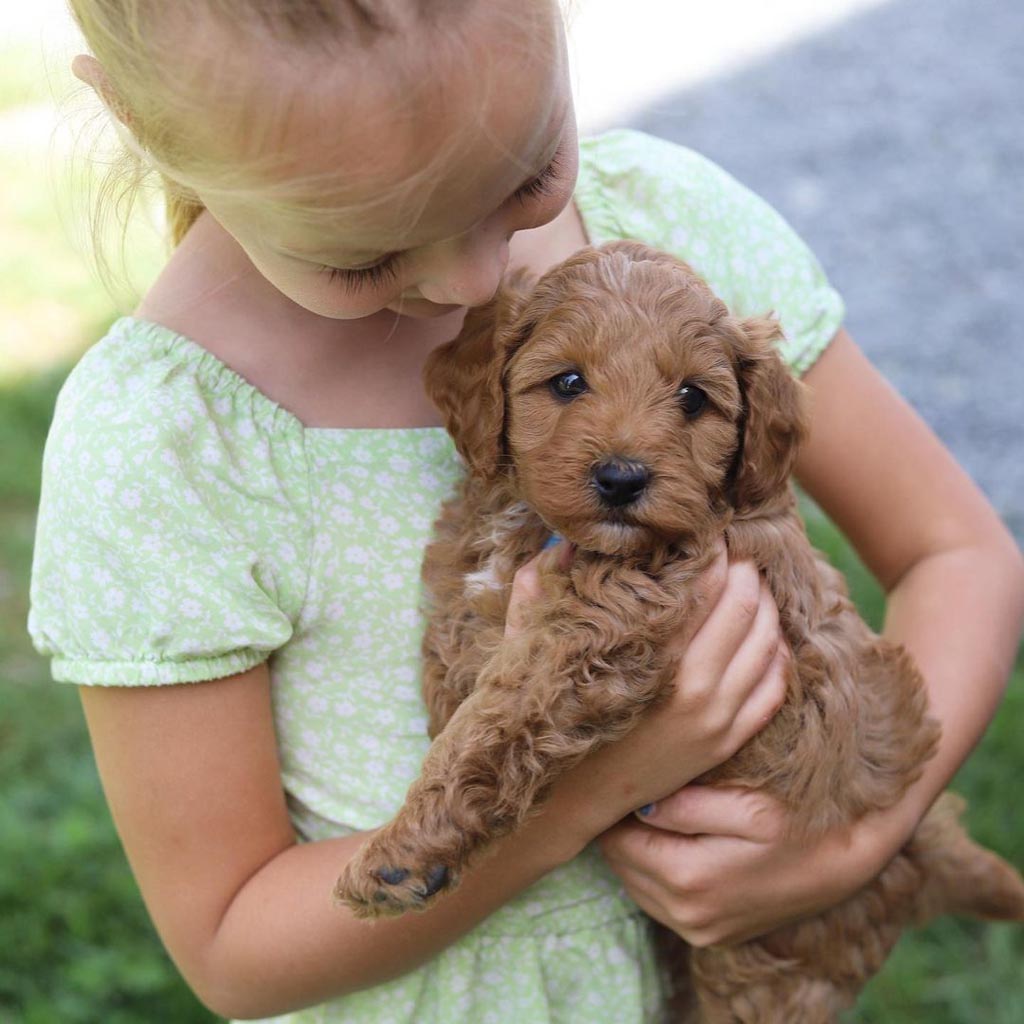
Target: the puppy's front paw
(383, 880)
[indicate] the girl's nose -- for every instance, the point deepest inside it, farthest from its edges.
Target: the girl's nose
(465, 271)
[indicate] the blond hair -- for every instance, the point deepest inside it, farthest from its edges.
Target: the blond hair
(128, 38)
(139, 45)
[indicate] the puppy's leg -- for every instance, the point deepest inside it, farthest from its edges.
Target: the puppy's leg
(539, 707)
(798, 1001)
(452, 664)
(440, 698)
(747, 985)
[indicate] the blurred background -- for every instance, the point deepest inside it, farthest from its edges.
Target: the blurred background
(890, 133)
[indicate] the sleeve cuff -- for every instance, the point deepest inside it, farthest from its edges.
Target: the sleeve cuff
(153, 673)
(802, 352)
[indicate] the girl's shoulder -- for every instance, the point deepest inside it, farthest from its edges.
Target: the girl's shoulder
(633, 171)
(173, 517)
(143, 375)
(645, 184)
(635, 185)
(632, 151)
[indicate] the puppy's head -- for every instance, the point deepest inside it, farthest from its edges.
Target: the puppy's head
(621, 399)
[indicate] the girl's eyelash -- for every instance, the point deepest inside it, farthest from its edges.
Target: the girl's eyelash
(387, 270)
(380, 273)
(541, 185)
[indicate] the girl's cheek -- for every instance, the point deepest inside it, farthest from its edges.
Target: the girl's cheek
(331, 300)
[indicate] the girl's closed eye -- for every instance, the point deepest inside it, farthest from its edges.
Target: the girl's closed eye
(386, 270)
(541, 184)
(379, 274)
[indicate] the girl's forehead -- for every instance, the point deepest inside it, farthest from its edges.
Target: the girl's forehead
(408, 138)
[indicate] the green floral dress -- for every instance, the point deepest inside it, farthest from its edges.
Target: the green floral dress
(190, 528)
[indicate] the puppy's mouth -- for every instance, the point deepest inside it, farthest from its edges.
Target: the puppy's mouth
(619, 517)
(628, 528)
(612, 532)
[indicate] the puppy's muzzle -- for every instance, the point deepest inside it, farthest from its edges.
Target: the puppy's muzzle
(619, 482)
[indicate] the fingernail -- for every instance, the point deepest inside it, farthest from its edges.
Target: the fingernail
(646, 810)
(552, 541)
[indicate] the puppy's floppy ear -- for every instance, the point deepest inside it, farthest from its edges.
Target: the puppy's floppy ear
(775, 416)
(464, 377)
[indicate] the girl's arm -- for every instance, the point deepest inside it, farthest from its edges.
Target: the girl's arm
(955, 583)
(191, 774)
(953, 573)
(192, 778)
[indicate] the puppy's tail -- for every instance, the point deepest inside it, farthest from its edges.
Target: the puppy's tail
(962, 877)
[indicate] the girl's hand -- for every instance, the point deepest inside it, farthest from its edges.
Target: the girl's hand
(717, 866)
(730, 682)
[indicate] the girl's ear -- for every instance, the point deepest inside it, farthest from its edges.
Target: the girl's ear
(465, 377)
(774, 418)
(89, 70)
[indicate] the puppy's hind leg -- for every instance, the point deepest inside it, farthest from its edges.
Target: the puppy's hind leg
(786, 997)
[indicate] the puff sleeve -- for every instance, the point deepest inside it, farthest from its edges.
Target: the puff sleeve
(171, 544)
(634, 185)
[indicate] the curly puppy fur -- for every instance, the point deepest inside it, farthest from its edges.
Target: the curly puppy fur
(565, 398)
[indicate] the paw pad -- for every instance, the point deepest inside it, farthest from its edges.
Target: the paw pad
(392, 876)
(437, 879)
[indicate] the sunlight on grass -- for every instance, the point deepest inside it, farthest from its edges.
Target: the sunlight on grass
(53, 303)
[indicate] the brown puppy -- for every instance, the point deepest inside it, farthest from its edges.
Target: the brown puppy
(617, 403)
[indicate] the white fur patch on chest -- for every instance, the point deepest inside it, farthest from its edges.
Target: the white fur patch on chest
(495, 572)
(483, 579)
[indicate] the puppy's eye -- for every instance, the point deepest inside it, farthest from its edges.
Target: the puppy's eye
(568, 385)
(692, 399)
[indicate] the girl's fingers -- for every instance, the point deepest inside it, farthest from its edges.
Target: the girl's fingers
(553, 557)
(559, 556)
(718, 811)
(757, 650)
(709, 588)
(525, 590)
(745, 692)
(526, 586)
(719, 638)
(633, 849)
(764, 701)
(646, 892)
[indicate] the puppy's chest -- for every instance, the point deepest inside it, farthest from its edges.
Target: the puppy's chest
(643, 595)
(496, 545)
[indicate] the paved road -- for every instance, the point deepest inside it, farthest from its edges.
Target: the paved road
(894, 143)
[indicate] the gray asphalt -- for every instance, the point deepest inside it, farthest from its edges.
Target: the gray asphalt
(894, 144)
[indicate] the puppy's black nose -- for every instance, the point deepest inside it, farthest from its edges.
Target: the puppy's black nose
(619, 482)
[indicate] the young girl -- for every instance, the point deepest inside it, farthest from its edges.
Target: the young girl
(241, 477)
